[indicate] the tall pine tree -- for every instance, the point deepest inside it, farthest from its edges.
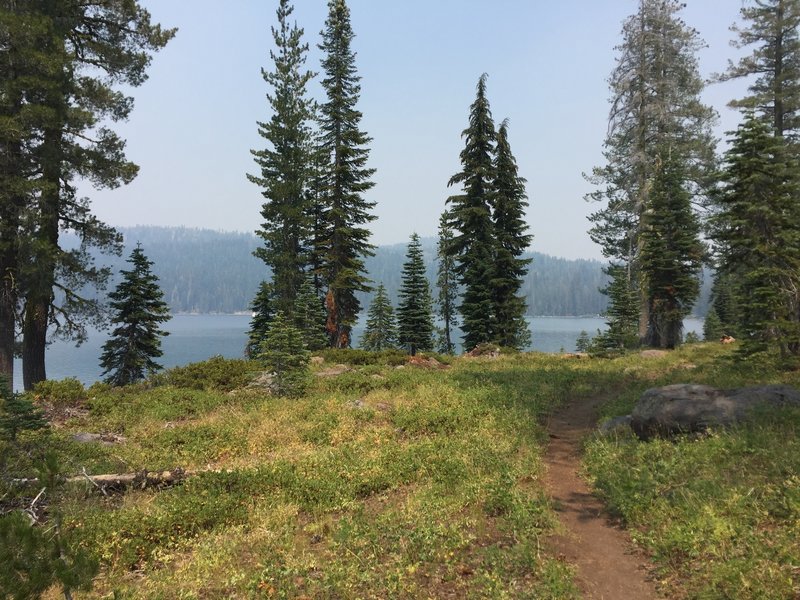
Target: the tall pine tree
(381, 330)
(88, 50)
(415, 310)
(655, 108)
(773, 63)
(758, 238)
(470, 217)
(285, 164)
(447, 286)
(511, 241)
(344, 241)
(138, 311)
(671, 254)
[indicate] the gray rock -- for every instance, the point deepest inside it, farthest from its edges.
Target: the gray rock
(615, 424)
(106, 439)
(333, 371)
(689, 408)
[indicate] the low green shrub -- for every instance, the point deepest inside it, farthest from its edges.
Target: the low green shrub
(354, 356)
(61, 393)
(216, 373)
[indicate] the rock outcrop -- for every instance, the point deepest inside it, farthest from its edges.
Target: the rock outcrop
(690, 408)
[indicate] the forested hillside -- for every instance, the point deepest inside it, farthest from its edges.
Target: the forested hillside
(211, 271)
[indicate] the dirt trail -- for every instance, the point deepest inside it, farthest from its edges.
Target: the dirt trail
(608, 568)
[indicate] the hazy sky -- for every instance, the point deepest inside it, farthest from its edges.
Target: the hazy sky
(194, 121)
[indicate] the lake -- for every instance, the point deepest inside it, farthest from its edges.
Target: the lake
(198, 337)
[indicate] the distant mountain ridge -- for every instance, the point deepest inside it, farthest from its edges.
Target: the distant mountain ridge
(206, 271)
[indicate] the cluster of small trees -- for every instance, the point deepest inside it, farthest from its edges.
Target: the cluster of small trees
(414, 328)
(661, 165)
(313, 175)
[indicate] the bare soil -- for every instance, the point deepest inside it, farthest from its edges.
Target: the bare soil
(608, 566)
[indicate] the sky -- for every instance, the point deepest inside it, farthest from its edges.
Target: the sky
(194, 121)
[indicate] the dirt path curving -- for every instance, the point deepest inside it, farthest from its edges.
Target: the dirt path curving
(608, 567)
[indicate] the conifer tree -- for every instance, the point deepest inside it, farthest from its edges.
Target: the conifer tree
(758, 238)
(712, 327)
(138, 311)
(24, 61)
(263, 308)
(87, 51)
(470, 217)
(655, 109)
(774, 62)
(284, 354)
(309, 315)
(381, 331)
(285, 163)
(671, 254)
(37, 556)
(511, 241)
(17, 413)
(622, 314)
(344, 240)
(724, 303)
(415, 311)
(447, 286)
(584, 342)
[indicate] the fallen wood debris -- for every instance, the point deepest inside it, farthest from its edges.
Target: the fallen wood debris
(119, 481)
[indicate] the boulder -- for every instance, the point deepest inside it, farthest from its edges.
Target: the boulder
(334, 370)
(106, 439)
(689, 408)
(615, 424)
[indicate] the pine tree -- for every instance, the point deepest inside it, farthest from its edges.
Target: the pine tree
(655, 109)
(622, 314)
(263, 308)
(723, 301)
(138, 310)
(713, 329)
(87, 49)
(309, 315)
(17, 413)
(447, 286)
(40, 555)
(285, 163)
(584, 342)
(381, 330)
(344, 240)
(772, 32)
(758, 238)
(511, 241)
(470, 216)
(284, 354)
(415, 311)
(671, 254)
(24, 61)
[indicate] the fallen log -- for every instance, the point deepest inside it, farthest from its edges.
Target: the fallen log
(118, 481)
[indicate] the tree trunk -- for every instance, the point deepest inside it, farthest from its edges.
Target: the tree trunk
(39, 292)
(34, 342)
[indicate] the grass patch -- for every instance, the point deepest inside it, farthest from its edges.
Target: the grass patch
(720, 514)
(379, 482)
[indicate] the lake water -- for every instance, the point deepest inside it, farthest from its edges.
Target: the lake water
(198, 337)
